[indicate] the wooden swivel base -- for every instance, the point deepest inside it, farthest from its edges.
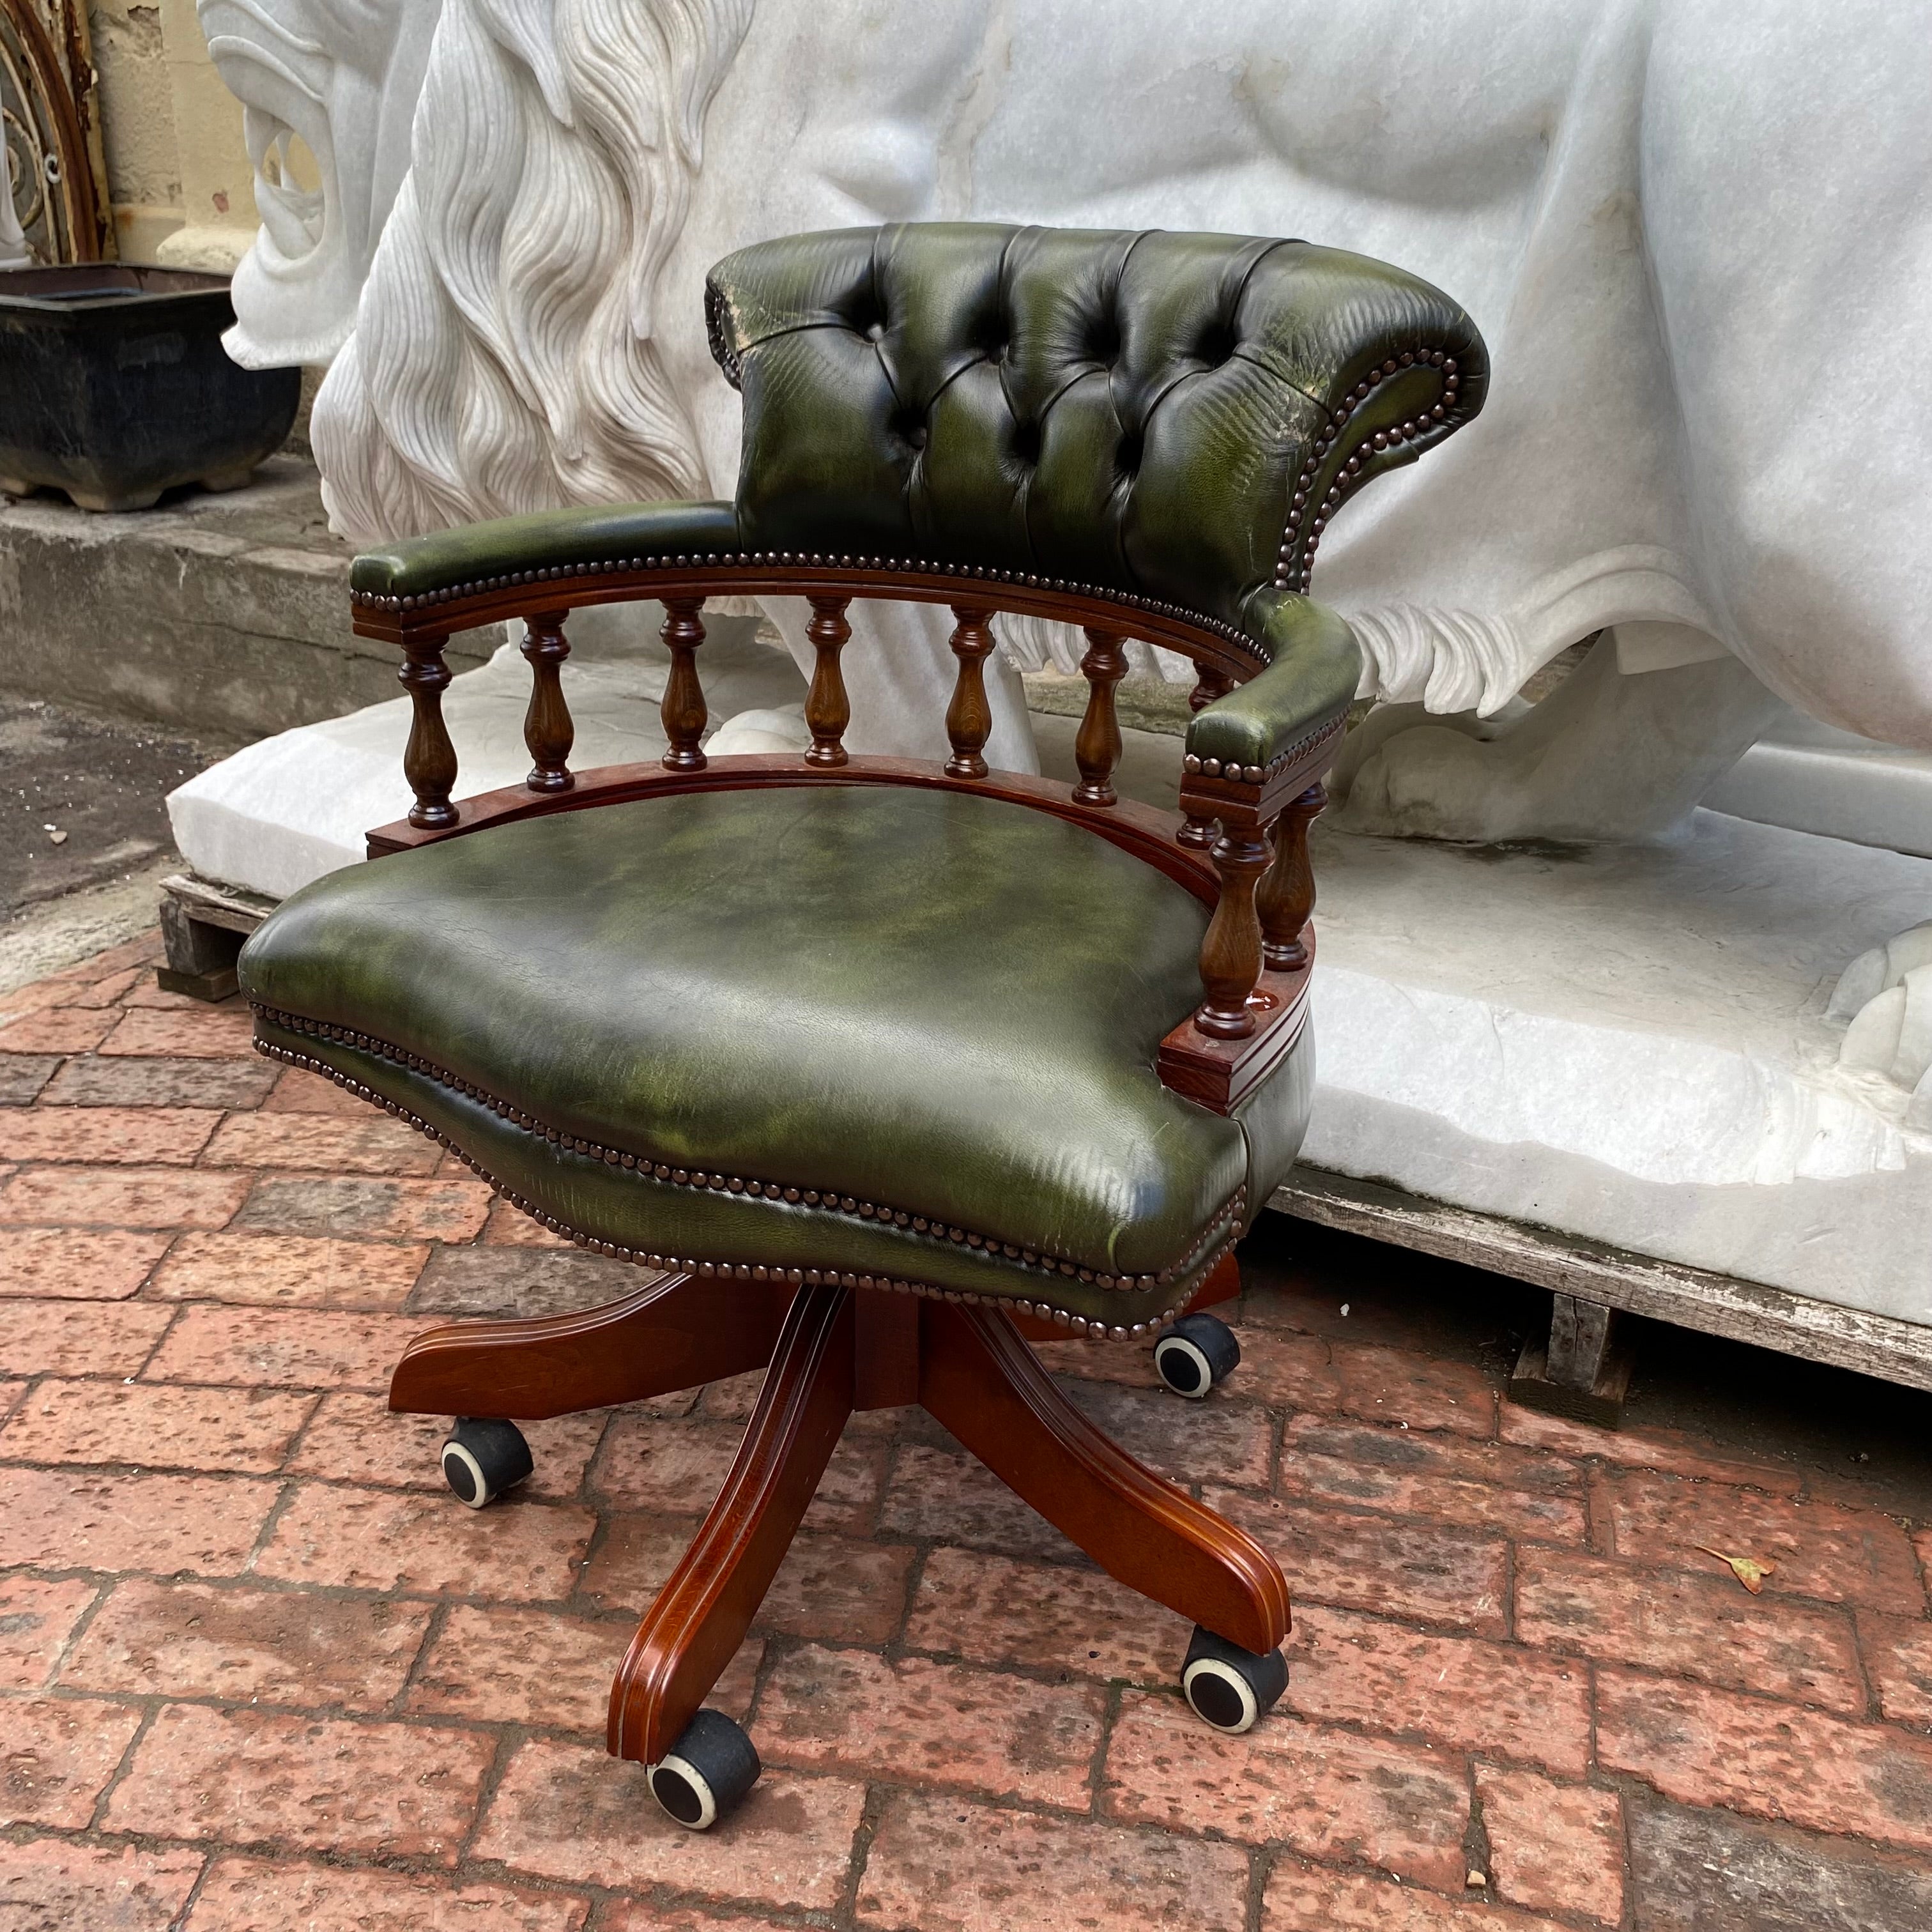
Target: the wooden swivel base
(832, 1350)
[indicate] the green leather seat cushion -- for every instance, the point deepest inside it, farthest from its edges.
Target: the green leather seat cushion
(902, 1032)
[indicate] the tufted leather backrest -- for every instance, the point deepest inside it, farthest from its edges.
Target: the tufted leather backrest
(1172, 416)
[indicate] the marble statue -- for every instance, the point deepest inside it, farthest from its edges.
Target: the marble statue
(1705, 447)
(341, 77)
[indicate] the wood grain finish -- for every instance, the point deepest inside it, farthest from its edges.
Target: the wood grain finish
(548, 732)
(1207, 644)
(1219, 1072)
(693, 1629)
(1097, 748)
(1212, 682)
(1197, 830)
(429, 759)
(979, 1379)
(833, 1350)
(969, 718)
(1149, 834)
(1230, 954)
(682, 710)
(827, 709)
(1285, 901)
(674, 1332)
(886, 1350)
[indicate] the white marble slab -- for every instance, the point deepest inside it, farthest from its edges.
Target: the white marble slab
(1629, 1044)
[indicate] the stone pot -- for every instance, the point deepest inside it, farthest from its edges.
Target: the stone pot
(114, 386)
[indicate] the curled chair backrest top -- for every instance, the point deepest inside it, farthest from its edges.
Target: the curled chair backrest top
(1171, 415)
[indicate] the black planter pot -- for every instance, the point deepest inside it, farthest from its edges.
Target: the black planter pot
(114, 386)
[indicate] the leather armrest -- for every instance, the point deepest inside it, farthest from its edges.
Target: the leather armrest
(1311, 682)
(546, 539)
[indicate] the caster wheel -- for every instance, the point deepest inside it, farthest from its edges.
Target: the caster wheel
(482, 1459)
(705, 1775)
(1229, 1687)
(1197, 1352)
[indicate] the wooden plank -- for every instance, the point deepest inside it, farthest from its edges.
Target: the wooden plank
(1717, 1304)
(210, 903)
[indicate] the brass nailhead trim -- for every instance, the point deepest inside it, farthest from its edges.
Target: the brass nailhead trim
(1306, 520)
(1256, 775)
(677, 1177)
(810, 560)
(742, 1271)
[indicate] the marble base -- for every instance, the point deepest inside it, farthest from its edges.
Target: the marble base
(1814, 778)
(1628, 1046)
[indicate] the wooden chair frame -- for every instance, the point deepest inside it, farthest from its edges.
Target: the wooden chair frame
(1240, 845)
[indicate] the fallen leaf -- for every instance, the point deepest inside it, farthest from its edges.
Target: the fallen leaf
(1747, 1569)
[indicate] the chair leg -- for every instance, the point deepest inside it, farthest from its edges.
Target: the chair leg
(979, 1378)
(672, 1333)
(701, 1615)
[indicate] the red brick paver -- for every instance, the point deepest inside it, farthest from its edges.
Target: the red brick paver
(257, 1670)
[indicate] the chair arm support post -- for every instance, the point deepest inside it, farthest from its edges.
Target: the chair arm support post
(1286, 899)
(548, 731)
(827, 709)
(429, 759)
(683, 709)
(1231, 951)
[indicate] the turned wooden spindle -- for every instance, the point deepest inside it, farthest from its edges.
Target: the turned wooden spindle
(1097, 750)
(1285, 897)
(682, 710)
(1231, 952)
(429, 759)
(548, 732)
(827, 709)
(1195, 830)
(1210, 685)
(969, 719)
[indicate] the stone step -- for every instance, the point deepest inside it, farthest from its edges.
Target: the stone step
(225, 614)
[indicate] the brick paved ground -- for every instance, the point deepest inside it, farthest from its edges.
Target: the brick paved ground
(257, 1669)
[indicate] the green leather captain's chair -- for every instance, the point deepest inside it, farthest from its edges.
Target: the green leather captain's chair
(880, 1069)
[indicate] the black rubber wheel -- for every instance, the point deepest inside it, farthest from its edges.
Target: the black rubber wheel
(1197, 1352)
(705, 1775)
(1229, 1687)
(483, 1458)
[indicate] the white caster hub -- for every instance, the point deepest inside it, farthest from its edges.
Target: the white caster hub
(1229, 1687)
(705, 1775)
(1194, 1354)
(482, 1459)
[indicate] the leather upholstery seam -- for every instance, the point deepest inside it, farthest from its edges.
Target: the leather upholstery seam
(846, 1207)
(762, 1271)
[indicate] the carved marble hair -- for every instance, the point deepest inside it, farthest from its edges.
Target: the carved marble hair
(513, 363)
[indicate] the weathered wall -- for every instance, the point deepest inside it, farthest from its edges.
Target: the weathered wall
(177, 168)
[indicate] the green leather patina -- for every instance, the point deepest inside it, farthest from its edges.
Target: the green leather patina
(545, 540)
(936, 1004)
(1125, 409)
(904, 1035)
(1145, 413)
